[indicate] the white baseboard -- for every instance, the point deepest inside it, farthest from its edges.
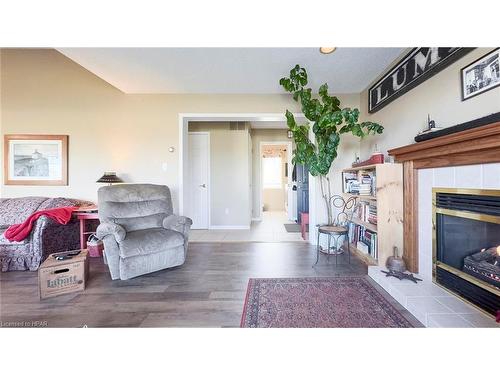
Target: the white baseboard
(229, 227)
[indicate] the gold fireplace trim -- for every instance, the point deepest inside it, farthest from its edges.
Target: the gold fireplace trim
(466, 215)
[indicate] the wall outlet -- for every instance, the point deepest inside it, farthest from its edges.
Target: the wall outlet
(164, 166)
(226, 211)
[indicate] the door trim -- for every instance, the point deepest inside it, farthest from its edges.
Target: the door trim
(209, 185)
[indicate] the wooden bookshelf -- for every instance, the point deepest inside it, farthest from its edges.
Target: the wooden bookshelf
(389, 203)
(365, 224)
(366, 258)
(363, 168)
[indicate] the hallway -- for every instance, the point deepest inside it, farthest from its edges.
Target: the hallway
(270, 229)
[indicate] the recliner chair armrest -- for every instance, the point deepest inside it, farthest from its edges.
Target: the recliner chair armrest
(107, 229)
(178, 223)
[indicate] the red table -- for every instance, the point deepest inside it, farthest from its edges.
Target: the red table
(83, 216)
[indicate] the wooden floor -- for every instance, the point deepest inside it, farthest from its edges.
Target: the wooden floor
(207, 291)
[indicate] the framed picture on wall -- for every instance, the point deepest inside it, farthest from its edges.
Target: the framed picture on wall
(35, 159)
(481, 75)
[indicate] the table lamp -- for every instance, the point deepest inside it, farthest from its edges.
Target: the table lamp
(110, 178)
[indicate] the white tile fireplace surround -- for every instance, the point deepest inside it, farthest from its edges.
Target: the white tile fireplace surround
(432, 305)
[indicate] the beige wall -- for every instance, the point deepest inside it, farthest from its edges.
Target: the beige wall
(43, 92)
(229, 175)
(439, 96)
(273, 199)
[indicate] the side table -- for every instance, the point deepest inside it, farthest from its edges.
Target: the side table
(83, 217)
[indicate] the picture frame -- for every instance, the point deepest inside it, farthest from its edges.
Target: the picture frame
(31, 159)
(481, 75)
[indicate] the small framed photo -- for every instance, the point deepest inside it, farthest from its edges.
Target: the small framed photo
(35, 159)
(481, 75)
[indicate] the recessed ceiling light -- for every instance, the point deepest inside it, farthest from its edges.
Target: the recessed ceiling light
(327, 50)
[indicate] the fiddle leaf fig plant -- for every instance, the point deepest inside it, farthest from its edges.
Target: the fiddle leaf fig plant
(328, 122)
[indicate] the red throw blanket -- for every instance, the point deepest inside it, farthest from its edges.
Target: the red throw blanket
(19, 232)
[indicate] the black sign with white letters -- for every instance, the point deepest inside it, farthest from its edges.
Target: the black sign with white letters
(420, 64)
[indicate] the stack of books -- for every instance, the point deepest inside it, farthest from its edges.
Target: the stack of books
(365, 187)
(351, 182)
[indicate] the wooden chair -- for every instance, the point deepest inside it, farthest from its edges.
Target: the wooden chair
(338, 229)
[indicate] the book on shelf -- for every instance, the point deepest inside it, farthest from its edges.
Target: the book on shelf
(361, 246)
(366, 212)
(364, 239)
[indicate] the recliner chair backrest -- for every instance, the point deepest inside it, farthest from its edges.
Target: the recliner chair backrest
(134, 206)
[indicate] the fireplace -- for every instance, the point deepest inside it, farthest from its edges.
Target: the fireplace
(466, 245)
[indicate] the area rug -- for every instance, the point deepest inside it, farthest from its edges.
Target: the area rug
(326, 302)
(295, 228)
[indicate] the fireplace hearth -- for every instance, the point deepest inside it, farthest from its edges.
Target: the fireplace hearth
(466, 245)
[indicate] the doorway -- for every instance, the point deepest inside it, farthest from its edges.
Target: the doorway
(275, 188)
(221, 232)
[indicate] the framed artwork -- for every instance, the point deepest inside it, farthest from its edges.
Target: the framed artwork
(481, 75)
(35, 159)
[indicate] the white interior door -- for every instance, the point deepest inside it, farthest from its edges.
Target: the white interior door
(199, 172)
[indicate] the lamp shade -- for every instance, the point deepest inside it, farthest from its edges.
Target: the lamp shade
(110, 178)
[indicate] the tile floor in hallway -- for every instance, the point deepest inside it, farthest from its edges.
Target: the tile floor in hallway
(270, 229)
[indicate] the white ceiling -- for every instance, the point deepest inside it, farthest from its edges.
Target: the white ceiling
(230, 70)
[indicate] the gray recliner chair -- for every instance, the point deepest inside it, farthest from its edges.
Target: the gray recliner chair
(139, 231)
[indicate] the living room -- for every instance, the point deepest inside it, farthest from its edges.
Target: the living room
(251, 187)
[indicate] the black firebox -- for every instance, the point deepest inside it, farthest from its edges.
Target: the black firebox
(467, 245)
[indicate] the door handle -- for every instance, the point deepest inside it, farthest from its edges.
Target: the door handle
(203, 185)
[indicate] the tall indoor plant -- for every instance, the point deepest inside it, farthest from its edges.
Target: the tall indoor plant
(329, 121)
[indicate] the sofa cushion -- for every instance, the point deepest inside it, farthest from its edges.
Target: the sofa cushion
(148, 241)
(17, 210)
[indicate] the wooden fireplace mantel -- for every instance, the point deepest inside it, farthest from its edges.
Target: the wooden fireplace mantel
(474, 146)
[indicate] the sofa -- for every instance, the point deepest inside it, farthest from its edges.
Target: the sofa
(46, 237)
(139, 230)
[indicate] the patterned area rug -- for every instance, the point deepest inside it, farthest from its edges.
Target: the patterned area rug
(344, 302)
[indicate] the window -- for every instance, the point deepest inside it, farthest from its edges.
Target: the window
(272, 173)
